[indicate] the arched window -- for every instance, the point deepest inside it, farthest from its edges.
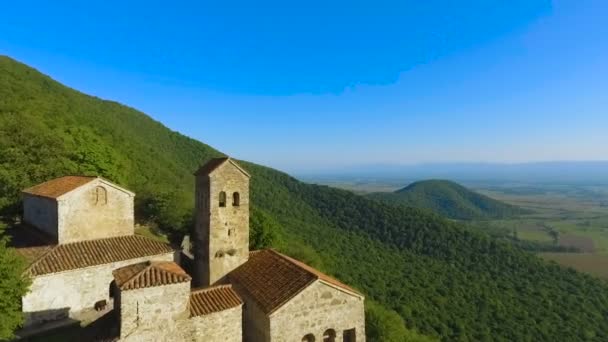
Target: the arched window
(308, 338)
(236, 199)
(101, 195)
(222, 199)
(329, 335)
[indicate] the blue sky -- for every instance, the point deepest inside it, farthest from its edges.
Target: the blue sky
(326, 84)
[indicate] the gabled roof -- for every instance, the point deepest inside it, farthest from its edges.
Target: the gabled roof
(149, 274)
(272, 279)
(58, 186)
(213, 299)
(214, 163)
(70, 256)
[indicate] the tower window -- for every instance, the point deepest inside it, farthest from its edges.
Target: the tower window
(329, 335)
(222, 199)
(308, 338)
(236, 199)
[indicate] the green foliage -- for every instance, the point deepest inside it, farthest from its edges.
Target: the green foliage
(264, 231)
(383, 325)
(13, 285)
(449, 199)
(443, 279)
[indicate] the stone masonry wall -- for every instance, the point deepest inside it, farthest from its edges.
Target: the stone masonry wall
(316, 309)
(154, 312)
(94, 211)
(57, 295)
(41, 212)
(225, 228)
(223, 326)
(256, 325)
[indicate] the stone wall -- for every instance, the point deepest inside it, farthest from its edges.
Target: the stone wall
(256, 324)
(95, 210)
(153, 312)
(223, 326)
(57, 295)
(222, 233)
(41, 212)
(315, 310)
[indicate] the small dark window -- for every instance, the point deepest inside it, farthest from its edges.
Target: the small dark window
(329, 335)
(236, 199)
(308, 338)
(350, 335)
(222, 199)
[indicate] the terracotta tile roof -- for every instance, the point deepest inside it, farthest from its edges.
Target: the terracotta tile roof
(272, 278)
(213, 299)
(70, 256)
(214, 163)
(58, 186)
(149, 274)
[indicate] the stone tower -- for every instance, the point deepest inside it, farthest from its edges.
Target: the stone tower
(221, 231)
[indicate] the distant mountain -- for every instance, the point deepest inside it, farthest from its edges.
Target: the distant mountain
(558, 172)
(449, 199)
(429, 274)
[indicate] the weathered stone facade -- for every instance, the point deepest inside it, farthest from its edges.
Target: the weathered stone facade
(221, 232)
(223, 326)
(257, 323)
(152, 312)
(63, 294)
(95, 210)
(317, 310)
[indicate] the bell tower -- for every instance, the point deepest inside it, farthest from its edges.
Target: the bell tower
(221, 230)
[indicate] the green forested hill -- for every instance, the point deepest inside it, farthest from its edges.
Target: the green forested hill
(426, 273)
(449, 199)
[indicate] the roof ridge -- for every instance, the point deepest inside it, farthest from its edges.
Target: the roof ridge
(136, 275)
(318, 276)
(210, 288)
(40, 258)
(294, 262)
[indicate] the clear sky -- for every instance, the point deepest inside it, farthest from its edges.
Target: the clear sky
(324, 84)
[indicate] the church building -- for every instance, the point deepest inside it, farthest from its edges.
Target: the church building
(93, 266)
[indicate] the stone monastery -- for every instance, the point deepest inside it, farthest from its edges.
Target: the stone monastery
(93, 266)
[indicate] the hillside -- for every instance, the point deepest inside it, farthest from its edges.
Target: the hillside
(436, 276)
(449, 199)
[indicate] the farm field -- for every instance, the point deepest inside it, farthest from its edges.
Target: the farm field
(596, 264)
(566, 215)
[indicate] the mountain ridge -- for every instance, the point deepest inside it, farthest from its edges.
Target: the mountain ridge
(449, 199)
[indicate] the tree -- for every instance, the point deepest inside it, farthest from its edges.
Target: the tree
(13, 286)
(264, 231)
(386, 325)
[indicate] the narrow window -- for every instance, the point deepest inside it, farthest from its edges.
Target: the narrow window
(308, 338)
(350, 335)
(222, 199)
(329, 335)
(236, 199)
(101, 195)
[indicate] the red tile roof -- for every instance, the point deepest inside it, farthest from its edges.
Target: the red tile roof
(75, 255)
(149, 274)
(272, 278)
(58, 186)
(213, 299)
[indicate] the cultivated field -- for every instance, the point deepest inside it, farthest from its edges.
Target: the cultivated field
(568, 215)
